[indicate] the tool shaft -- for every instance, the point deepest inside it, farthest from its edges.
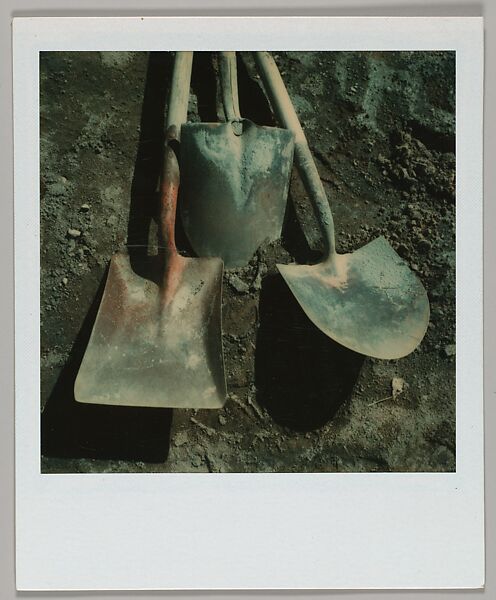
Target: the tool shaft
(229, 85)
(177, 113)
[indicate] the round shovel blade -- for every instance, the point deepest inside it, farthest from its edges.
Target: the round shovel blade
(156, 341)
(234, 187)
(369, 300)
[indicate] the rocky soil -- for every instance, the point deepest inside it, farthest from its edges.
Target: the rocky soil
(382, 129)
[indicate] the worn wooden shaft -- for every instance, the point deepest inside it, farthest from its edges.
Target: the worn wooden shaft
(179, 93)
(229, 85)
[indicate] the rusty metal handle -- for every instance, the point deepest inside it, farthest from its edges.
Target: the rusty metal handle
(176, 116)
(169, 187)
(284, 109)
(229, 85)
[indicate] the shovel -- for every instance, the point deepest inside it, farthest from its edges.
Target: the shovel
(236, 179)
(156, 341)
(368, 300)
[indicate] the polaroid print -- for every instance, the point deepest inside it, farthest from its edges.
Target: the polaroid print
(337, 367)
(251, 264)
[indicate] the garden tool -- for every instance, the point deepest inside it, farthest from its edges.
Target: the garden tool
(235, 179)
(368, 300)
(156, 341)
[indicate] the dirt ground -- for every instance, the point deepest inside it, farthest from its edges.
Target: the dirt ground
(382, 129)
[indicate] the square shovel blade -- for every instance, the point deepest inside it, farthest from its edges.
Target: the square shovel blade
(156, 341)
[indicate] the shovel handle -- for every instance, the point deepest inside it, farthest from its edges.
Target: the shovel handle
(229, 85)
(177, 113)
(169, 180)
(169, 187)
(284, 109)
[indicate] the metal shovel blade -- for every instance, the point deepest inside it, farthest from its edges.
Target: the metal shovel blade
(156, 341)
(369, 300)
(236, 179)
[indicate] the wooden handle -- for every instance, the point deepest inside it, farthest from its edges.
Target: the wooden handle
(229, 85)
(179, 92)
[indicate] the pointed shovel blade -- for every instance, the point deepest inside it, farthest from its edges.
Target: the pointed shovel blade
(369, 300)
(235, 187)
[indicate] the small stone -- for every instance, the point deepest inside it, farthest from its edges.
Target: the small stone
(398, 386)
(222, 419)
(450, 350)
(65, 281)
(58, 189)
(257, 282)
(196, 461)
(73, 233)
(402, 174)
(424, 245)
(180, 438)
(85, 207)
(237, 284)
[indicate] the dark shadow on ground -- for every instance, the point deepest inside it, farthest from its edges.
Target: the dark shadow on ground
(70, 429)
(73, 430)
(302, 376)
(204, 86)
(292, 237)
(144, 196)
(253, 103)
